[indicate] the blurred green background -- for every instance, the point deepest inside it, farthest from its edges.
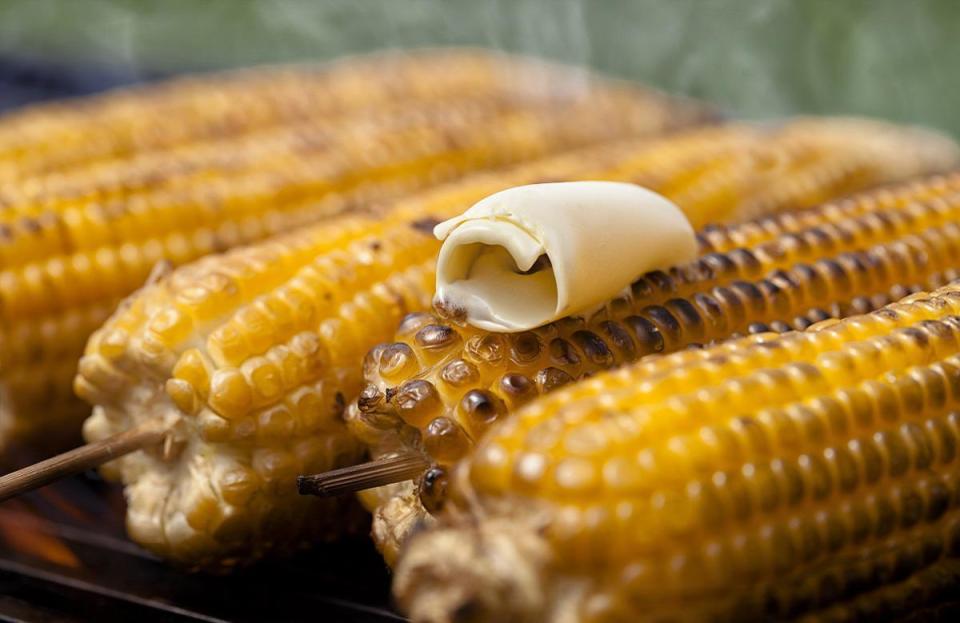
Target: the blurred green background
(757, 58)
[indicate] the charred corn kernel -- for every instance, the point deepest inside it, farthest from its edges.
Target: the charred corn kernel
(471, 377)
(325, 294)
(803, 475)
(83, 225)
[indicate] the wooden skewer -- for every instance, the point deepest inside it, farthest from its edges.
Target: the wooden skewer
(78, 460)
(364, 476)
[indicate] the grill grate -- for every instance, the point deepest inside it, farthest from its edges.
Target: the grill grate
(63, 557)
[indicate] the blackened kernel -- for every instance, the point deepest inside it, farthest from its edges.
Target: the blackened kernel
(837, 309)
(565, 325)
(800, 323)
(784, 279)
(688, 317)
(641, 289)
(649, 338)
(620, 339)
(563, 353)
(776, 297)
(517, 388)
(705, 270)
(665, 322)
(819, 239)
(779, 326)
(812, 281)
(437, 336)
(721, 264)
(751, 294)
(916, 335)
(661, 282)
(732, 303)
(838, 278)
(818, 315)
(482, 407)
(746, 262)
(594, 348)
(797, 242)
(526, 347)
(758, 327)
(433, 489)
(711, 311)
(551, 378)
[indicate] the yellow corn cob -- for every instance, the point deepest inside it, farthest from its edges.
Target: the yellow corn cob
(440, 386)
(54, 136)
(251, 357)
(72, 243)
(775, 477)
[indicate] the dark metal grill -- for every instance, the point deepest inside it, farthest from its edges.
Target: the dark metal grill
(63, 557)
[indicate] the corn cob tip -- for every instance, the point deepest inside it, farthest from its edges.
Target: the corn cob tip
(490, 571)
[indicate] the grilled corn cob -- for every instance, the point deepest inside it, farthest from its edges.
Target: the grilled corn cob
(812, 474)
(72, 243)
(52, 137)
(441, 385)
(250, 358)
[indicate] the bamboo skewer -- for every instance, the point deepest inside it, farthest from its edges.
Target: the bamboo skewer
(328, 484)
(363, 476)
(78, 460)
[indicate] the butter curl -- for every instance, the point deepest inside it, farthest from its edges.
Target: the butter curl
(529, 255)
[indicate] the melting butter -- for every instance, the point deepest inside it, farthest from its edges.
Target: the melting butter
(529, 255)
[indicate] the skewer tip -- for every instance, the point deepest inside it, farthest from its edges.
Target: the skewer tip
(363, 476)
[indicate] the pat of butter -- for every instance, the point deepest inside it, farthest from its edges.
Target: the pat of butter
(529, 255)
